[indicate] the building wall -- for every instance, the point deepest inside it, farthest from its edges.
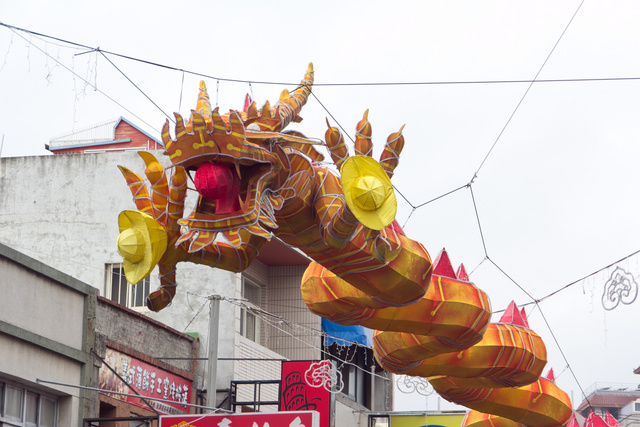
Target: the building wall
(252, 370)
(71, 204)
(104, 137)
(280, 296)
(134, 331)
(46, 333)
(143, 343)
(285, 300)
(63, 210)
(348, 413)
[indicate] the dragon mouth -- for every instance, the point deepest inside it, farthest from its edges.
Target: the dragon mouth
(227, 189)
(237, 196)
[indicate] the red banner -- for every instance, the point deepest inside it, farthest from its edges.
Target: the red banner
(147, 380)
(259, 419)
(306, 386)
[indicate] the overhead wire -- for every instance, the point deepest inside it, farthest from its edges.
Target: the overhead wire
(524, 95)
(136, 86)
(84, 80)
(336, 84)
(506, 125)
(276, 321)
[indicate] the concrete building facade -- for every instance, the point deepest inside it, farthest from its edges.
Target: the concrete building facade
(60, 342)
(47, 332)
(62, 210)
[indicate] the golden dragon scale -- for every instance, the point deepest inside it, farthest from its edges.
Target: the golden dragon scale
(256, 180)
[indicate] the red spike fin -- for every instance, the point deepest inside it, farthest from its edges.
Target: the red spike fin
(513, 316)
(461, 274)
(550, 376)
(442, 265)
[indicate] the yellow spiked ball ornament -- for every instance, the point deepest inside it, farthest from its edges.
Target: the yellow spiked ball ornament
(368, 192)
(141, 244)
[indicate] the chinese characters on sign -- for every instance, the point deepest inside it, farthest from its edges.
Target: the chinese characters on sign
(259, 419)
(147, 380)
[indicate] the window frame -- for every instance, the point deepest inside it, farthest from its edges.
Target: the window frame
(246, 313)
(125, 290)
(27, 392)
(354, 364)
(374, 418)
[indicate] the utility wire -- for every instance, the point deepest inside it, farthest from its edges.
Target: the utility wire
(136, 86)
(529, 88)
(265, 82)
(567, 286)
(83, 79)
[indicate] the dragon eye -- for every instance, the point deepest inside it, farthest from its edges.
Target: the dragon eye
(253, 126)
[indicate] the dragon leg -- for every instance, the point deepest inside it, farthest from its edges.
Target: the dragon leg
(217, 255)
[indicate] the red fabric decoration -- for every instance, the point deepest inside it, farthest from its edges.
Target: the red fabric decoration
(442, 265)
(610, 420)
(573, 422)
(594, 420)
(461, 274)
(550, 376)
(513, 316)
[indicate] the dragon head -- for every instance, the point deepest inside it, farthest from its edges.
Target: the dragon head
(237, 162)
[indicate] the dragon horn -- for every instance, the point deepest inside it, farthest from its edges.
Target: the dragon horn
(204, 105)
(391, 154)
(363, 145)
(288, 107)
(203, 108)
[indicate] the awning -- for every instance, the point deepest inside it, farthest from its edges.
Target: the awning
(346, 335)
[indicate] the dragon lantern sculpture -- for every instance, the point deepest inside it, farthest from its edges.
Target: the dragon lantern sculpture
(255, 180)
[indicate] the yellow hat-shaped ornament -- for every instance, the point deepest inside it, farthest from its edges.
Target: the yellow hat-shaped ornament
(141, 243)
(368, 192)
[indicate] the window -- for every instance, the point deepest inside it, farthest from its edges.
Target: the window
(22, 407)
(378, 421)
(122, 292)
(249, 322)
(354, 364)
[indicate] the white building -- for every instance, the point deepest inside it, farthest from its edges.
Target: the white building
(62, 210)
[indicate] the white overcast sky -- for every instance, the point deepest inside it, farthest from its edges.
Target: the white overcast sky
(557, 198)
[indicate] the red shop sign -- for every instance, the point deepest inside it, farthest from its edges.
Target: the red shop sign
(147, 380)
(259, 419)
(306, 385)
